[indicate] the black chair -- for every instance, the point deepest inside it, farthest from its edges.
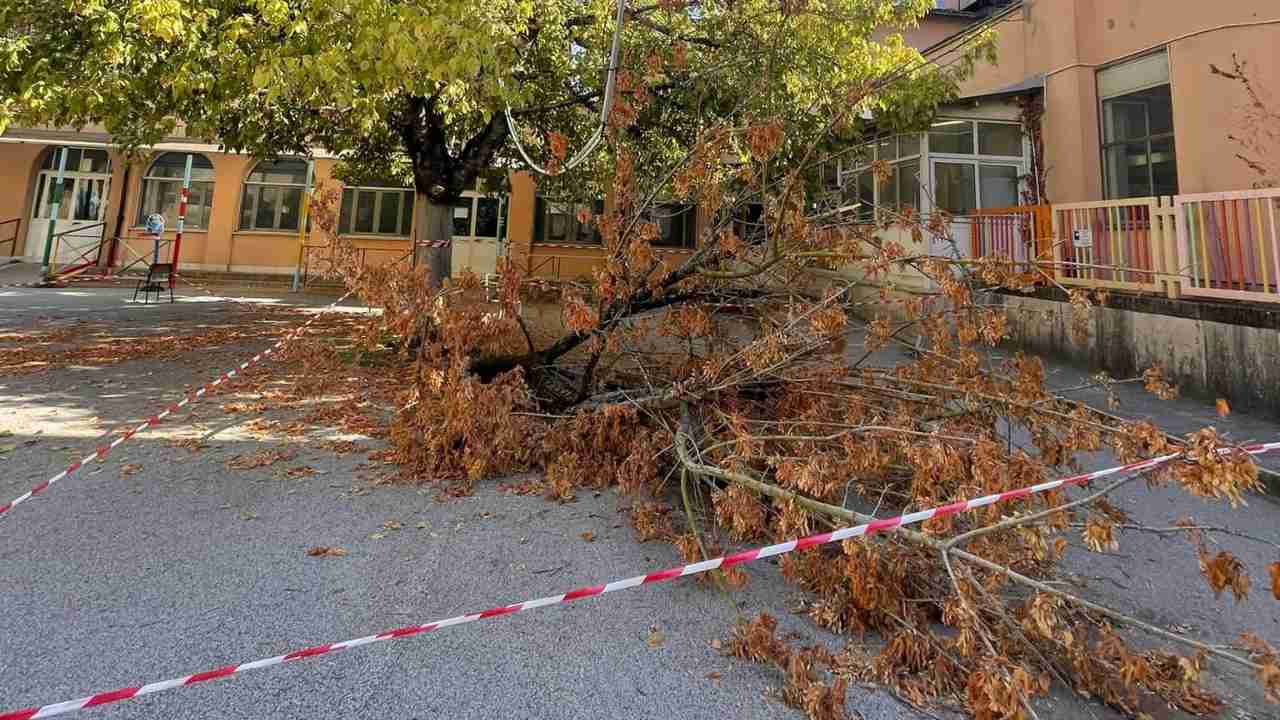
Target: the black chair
(156, 282)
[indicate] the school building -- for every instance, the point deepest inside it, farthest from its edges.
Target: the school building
(1091, 101)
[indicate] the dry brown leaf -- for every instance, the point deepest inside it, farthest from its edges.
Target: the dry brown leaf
(392, 525)
(130, 469)
(326, 551)
(1223, 408)
(1224, 572)
(1274, 569)
(588, 536)
(655, 638)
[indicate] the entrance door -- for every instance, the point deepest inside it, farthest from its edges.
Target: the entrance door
(477, 224)
(79, 226)
(960, 187)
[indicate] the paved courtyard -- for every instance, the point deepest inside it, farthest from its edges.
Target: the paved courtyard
(173, 557)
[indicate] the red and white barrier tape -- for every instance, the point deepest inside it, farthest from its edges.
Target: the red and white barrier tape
(434, 243)
(103, 450)
(745, 556)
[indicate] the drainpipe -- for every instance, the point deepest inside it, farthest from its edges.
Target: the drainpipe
(120, 220)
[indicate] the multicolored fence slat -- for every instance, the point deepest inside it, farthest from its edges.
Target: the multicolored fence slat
(1117, 243)
(1229, 244)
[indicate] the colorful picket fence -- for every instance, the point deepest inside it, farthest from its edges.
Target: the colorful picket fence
(1229, 244)
(1118, 244)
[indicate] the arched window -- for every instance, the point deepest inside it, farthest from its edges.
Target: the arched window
(162, 190)
(376, 210)
(272, 197)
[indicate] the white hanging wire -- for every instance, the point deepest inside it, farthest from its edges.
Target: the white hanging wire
(609, 93)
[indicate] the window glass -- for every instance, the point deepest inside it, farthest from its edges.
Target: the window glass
(462, 217)
(487, 217)
(951, 136)
(954, 187)
(998, 185)
(1124, 120)
(288, 171)
(558, 222)
(344, 211)
(1128, 172)
(248, 207)
(174, 165)
(1138, 153)
(89, 160)
(376, 211)
(290, 205)
(406, 212)
(830, 174)
(389, 213)
(887, 149)
(907, 178)
(89, 198)
(268, 201)
(675, 224)
(999, 139)
(272, 197)
(866, 195)
(162, 190)
(1164, 167)
(908, 145)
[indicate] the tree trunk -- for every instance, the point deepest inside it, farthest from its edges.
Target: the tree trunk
(434, 223)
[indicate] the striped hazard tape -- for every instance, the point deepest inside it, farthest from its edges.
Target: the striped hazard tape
(745, 556)
(101, 452)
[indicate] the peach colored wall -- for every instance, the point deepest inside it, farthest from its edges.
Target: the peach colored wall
(1069, 40)
(1208, 108)
(934, 29)
(17, 168)
(520, 220)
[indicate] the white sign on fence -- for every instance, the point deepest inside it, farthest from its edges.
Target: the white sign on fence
(1082, 238)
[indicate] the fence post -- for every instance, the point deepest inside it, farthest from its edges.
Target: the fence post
(54, 208)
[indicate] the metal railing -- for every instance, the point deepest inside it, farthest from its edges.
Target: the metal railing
(550, 264)
(82, 253)
(12, 240)
(1021, 235)
(1229, 244)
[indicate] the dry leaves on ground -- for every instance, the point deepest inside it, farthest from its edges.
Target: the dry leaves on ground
(326, 551)
(261, 458)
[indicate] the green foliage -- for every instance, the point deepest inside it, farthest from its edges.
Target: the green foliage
(283, 76)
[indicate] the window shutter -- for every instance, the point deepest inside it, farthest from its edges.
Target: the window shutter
(1145, 72)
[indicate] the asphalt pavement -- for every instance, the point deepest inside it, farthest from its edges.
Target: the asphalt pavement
(164, 561)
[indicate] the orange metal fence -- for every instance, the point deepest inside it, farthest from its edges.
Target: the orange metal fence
(1020, 235)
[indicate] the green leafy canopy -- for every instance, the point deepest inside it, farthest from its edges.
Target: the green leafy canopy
(426, 81)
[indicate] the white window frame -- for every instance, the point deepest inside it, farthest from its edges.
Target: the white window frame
(1020, 162)
(378, 193)
(201, 193)
(475, 197)
(257, 188)
(872, 150)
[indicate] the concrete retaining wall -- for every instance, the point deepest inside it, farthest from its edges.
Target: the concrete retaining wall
(1210, 350)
